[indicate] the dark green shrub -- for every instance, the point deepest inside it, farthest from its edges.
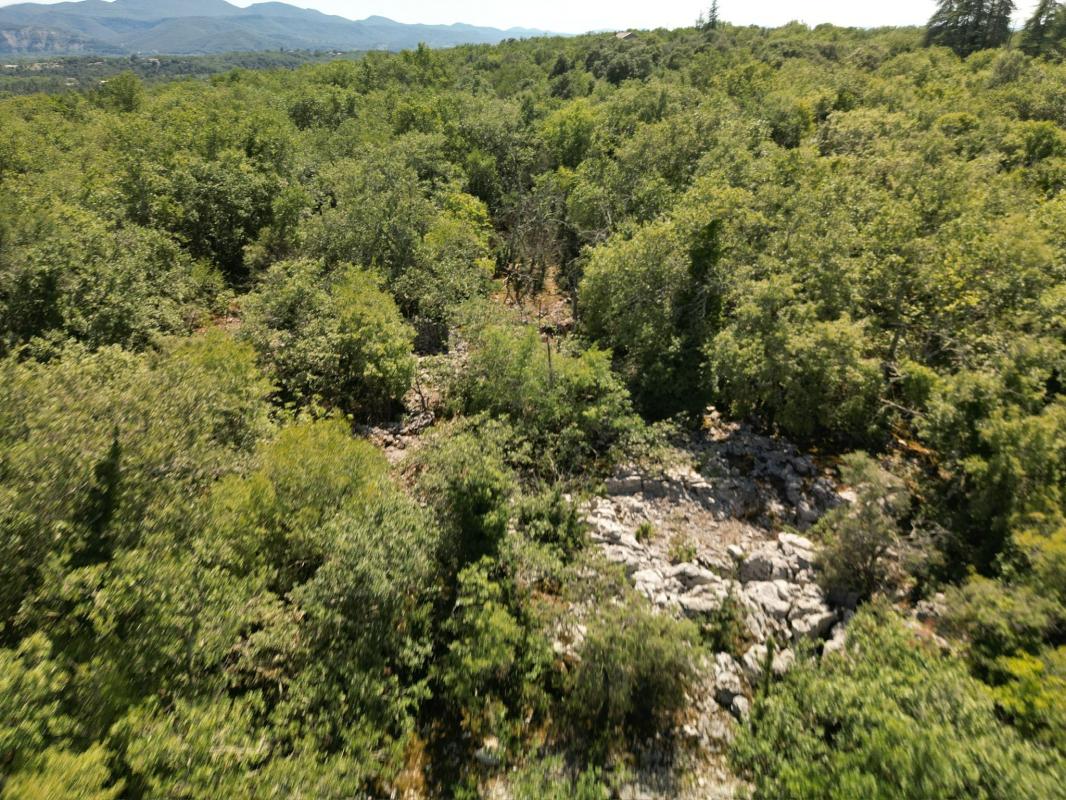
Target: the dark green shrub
(550, 519)
(635, 669)
(861, 541)
(462, 477)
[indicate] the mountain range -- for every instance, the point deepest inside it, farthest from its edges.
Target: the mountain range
(183, 27)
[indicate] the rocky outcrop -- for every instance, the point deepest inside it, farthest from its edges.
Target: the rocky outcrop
(708, 542)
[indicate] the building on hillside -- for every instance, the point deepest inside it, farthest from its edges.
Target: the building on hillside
(625, 35)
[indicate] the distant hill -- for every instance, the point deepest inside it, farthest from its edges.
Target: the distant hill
(184, 27)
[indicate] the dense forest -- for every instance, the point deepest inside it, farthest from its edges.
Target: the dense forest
(308, 379)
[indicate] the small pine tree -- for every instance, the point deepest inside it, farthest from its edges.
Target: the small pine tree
(708, 21)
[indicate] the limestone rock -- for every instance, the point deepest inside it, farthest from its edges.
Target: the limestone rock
(766, 596)
(727, 681)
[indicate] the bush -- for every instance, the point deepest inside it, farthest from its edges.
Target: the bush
(103, 450)
(66, 272)
(453, 265)
(778, 363)
(335, 336)
(569, 407)
(654, 299)
(71, 776)
(997, 620)
(861, 541)
(549, 779)
(461, 475)
(358, 673)
(274, 519)
(635, 669)
(550, 519)
(887, 718)
(492, 670)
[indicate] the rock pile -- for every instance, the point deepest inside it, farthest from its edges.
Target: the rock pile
(702, 544)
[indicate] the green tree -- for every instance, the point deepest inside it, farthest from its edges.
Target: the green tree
(1044, 33)
(887, 718)
(862, 544)
(334, 335)
(967, 26)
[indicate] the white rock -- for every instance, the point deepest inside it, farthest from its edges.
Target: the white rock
(766, 595)
(624, 485)
(754, 662)
(757, 567)
(692, 575)
(740, 707)
(727, 681)
(814, 626)
(837, 641)
(699, 605)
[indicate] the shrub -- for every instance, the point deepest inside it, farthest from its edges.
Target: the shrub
(462, 476)
(653, 299)
(645, 532)
(635, 669)
(452, 266)
(550, 519)
(69, 273)
(778, 363)
(274, 519)
(549, 779)
(493, 668)
(860, 553)
(569, 406)
(105, 449)
(83, 776)
(358, 671)
(887, 718)
(336, 336)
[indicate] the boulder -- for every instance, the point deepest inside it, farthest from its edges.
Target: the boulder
(740, 707)
(813, 626)
(648, 581)
(754, 662)
(837, 640)
(624, 485)
(692, 575)
(728, 683)
(766, 596)
(702, 605)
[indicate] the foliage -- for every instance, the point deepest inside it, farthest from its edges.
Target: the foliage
(334, 336)
(464, 479)
(83, 776)
(67, 272)
(887, 718)
(568, 405)
(861, 541)
(636, 667)
(778, 362)
(210, 585)
(1044, 32)
(970, 25)
(493, 670)
(548, 780)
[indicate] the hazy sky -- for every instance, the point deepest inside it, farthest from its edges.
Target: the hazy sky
(573, 16)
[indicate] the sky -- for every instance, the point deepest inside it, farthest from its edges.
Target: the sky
(577, 16)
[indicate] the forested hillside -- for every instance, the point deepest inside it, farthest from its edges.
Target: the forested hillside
(444, 424)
